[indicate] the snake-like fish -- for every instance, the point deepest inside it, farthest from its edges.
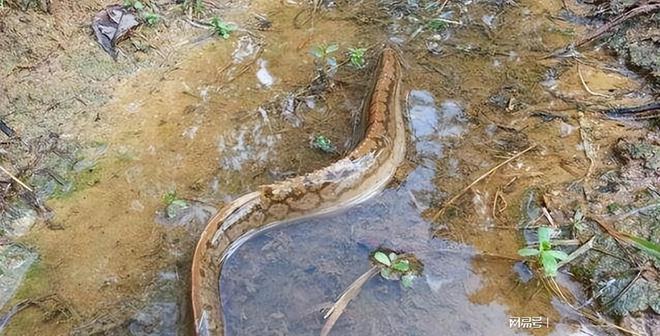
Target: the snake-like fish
(361, 174)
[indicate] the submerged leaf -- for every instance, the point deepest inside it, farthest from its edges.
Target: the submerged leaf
(407, 280)
(386, 273)
(382, 258)
(528, 252)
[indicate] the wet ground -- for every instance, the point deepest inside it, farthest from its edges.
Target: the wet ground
(135, 155)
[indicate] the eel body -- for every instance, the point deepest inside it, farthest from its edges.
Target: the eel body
(365, 171)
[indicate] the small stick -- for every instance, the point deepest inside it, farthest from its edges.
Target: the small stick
(16, 179)
(584, 84)
(443, 6)
(351, 292)
(581, 250)
(492, 170)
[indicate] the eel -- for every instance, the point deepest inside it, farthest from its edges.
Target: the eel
(362, 173)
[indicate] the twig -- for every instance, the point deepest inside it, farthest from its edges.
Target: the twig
(492, 170)
(584, 84)
(580, 251)
(618, 20)
(442, 6)
(16, 179)
(351, 292)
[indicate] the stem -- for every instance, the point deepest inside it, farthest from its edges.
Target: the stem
(349, 294)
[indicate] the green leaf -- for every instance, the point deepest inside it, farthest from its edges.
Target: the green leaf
(528, 252)
(331, 48)
(544, 235)
(386, 273)
(382, 258)
(401, 266)
(407, 280)
(560, 255)
(317, 52)
(645, 245)
(549, 264)
(180, 203)
(138, 5)
(393, 256)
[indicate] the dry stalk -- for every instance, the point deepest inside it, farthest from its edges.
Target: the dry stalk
(351, 292)
(488, 173)
(16, 179)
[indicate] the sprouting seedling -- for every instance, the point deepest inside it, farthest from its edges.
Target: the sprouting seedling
(197, 6)
(173, 204)
(222, 28)
(323, 57)
(135, 4)
(322, 143)
(390, 265)
(323, 51)
(356, 56)
(151, 18)
(546, 255)
(436, 24)
(393, 266)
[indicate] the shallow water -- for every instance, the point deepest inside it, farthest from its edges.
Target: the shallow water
(278, 281)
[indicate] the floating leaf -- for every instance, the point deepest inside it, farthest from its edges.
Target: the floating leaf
(393, 256)
(407, 280)
(560, 255)
(528, 252)
(401, 266)
(382, 258)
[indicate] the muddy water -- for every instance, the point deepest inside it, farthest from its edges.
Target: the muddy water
(210, 127)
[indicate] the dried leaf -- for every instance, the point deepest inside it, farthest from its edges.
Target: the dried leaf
(111, 25)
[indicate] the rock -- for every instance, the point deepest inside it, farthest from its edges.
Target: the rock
(17, 220)
(14, 263)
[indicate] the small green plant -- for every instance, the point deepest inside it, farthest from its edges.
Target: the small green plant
(393, 266)
(196, 6)
(546, 255)
(323, 58)
(151, 18)
(356, 56)
(322, 143)
(173, 204)
(135, 4)
(222, 28)
(2, 3)
(436, 24)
